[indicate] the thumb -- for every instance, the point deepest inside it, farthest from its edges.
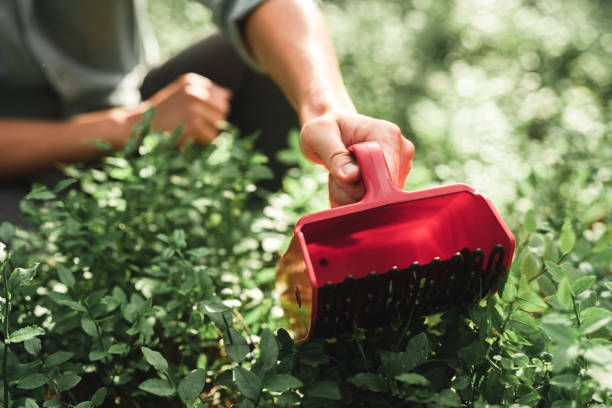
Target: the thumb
(321, 142)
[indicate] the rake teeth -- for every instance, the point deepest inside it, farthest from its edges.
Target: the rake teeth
(376, 299)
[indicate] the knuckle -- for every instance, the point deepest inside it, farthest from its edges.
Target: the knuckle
(196, 93)
(185, 79)
(394, 131)
(409, 148)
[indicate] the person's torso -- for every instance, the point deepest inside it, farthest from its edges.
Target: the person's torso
(92, 53)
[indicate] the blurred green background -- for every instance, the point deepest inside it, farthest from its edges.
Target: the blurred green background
(513, 97)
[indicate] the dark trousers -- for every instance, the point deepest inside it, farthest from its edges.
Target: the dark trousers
(257, 106)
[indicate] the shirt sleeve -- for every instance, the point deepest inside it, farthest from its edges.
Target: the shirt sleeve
(228, 15)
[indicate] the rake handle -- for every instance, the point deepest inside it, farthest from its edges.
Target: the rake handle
(374, 172)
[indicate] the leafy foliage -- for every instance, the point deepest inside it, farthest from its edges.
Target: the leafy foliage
(148, 279)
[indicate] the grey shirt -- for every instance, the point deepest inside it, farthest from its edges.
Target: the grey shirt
(92, 53)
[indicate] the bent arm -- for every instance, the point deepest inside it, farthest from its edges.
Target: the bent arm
(30, 145)
(191, 100)
(289, 40)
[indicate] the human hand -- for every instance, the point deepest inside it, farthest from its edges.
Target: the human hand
(196, 103)
(325, 139)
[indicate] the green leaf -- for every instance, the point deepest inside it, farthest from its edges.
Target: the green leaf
(530, 399)
(98, 355)
(178, 236)
(119, 348)
(460, 382)
(245, 403)
(394, 364)
(472, 354)
(530, 302)
(269, 349)
(99, 397)
(63, 184)
(68, 382)
(208, 307)
(418, 347)
(157, 387)
(58, 358)
(225, 379)
(582, 284)
(32, 381)
(558, 328)
(25, 333)
(40, 192)
(175, 134)
(52, 404)
(73, 305)
(594, 318)
(509, 293)
(412, 379)
(522, 322)
(21, 278)
(287, 398)
(30, 403)
(119, 173)
(32, 346)
(191, 386)
(567, 238)
(89, 327)
(372, 382)
(448, 398)
(65, 276)
(281, 382)
(530, 221)
(564, 294)
(84, 404)
(119, 295)
(235, 345)
(546, 285)
(313, 354)
(556, 272)
(218, 313)
(247, 382)
(66, 300)
(155, 359)
(529, 266)
(565, 381)
(100, 144)
(324, 389)
(551, 252)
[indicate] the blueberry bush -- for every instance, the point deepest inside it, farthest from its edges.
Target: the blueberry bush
(148, 279)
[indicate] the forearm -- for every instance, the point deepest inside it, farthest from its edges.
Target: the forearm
(289, 40)
(27, 145)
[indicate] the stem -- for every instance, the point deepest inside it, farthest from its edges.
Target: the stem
(4, 267)
(576, 310)
(246, 328)
(405, 331)
(363, 356)
(97, 330)
(503, 326)
(545, 269)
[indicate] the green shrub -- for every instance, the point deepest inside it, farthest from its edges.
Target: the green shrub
(149, 279)
(140, 265)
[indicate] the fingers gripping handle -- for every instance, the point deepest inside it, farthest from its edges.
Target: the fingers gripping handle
(374, 171)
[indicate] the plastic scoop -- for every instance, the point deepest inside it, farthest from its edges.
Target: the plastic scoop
(394, 253)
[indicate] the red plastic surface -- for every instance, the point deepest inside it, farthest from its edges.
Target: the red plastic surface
(390, 227)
